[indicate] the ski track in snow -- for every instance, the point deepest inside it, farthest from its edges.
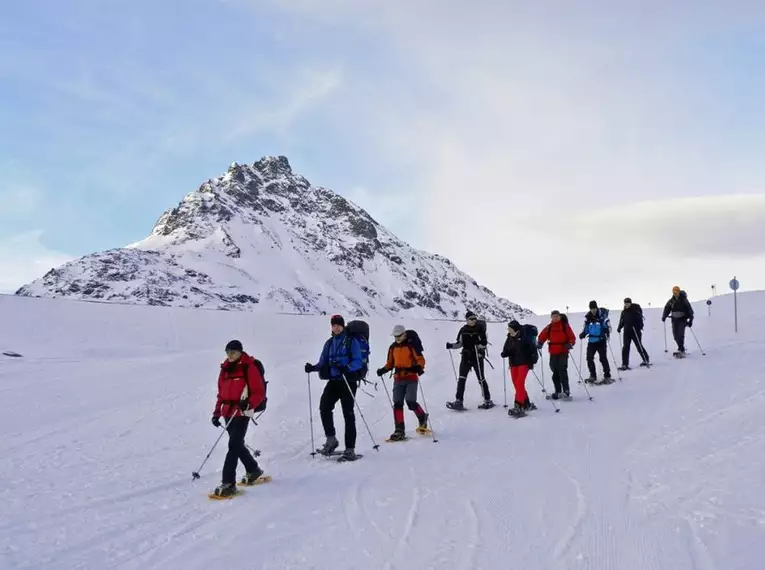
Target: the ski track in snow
(649, 476)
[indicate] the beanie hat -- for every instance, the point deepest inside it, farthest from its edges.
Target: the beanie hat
(234, 345)
(398, 330)
(593, 304)
(469, 314)
(515, 325)
(627, 300)
(555, 312)
(337, 320)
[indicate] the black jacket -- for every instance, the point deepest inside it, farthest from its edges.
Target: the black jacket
(631, 318)
(678, 308)
(468, 338)
(518, 351)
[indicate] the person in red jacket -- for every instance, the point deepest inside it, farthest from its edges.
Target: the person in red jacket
(241, 389)
(561, 339)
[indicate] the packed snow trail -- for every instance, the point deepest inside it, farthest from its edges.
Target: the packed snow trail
(108, 412)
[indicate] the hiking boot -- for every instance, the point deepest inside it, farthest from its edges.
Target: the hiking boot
(567, 395)
(646, 363)
(398, 435)
(624, 367)
(455, 405)
(225, 490)
(424, 421)
(591, 380)
(516, 411)
(487, 404)
(250, 478)
(331, 445)
(555, 395)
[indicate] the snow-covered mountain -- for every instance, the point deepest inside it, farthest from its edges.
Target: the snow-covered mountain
(261, 237)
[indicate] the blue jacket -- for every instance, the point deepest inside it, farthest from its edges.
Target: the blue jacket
(597, 327)
(336, 355)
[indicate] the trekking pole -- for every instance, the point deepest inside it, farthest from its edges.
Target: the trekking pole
(504, 379)
(557, 409)
(195, 474)
(310, 411)
(482, 375)
(454, 368)
(613, 357)
(581, 350)
(581, 380)
(665, 337)
(386, 388)
(639, 343)
(425, 405)
(542, 368)
(697, 341)
(375, 445)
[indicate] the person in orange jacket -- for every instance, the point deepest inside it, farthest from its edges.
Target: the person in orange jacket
(241, 390)
(405, 355)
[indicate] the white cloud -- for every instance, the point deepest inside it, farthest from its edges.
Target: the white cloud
(23, 258)
(555, 142)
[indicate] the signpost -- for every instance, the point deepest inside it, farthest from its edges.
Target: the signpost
(734, 285)
(709, 306)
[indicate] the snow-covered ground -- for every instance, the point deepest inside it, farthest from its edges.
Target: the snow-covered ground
(107, 414)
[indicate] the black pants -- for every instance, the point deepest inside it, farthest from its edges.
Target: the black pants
(237, 429)
(335, 390)
(678, 331)
(468, 362)
(601, 348)
(559, 367)
(631, 335)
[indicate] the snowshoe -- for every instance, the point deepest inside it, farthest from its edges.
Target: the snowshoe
(624, 367)
(567, 397)
(679, 354)
(487, 405)
(591, 380)
(456, 405)
(608, 380)
(225, 491)
(530, 406)
(398, 435)
(516, 412)
(423, 421)
(349, 455)
(423, 430)
(645, 364)
(329, 447)
(554, 396)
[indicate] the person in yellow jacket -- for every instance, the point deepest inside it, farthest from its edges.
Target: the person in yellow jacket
(405, 356)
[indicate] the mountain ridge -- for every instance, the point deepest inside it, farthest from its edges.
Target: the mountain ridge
(262, 237)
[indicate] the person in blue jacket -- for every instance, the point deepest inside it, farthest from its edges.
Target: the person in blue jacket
(340, 364)
(597, 326)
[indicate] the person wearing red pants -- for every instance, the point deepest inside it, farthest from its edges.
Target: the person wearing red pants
(521, 352)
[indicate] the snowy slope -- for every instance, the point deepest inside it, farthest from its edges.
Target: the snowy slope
(107, 414)
(261, 237)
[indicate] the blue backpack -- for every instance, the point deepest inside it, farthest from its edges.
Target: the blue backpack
(597, 330)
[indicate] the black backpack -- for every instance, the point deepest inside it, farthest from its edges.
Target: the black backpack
(529, 335)
(360, 331)
(414, 340)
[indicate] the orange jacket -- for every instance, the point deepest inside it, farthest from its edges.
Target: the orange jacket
(403, 358)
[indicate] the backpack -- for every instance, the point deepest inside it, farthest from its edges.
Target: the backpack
(259, 364)
(529, 336)
(360, 331)
(564, 318)
(414, 341)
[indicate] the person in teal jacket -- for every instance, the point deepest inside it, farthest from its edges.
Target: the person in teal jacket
(340, 363)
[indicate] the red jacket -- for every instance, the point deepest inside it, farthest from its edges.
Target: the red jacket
(560, 336)
(234, 387)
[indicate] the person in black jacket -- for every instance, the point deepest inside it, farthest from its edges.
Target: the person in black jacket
(521, 353)
(631, 320)
(471, 338)
(679, 309)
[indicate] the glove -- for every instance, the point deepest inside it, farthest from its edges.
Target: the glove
(570, 346)
(481, 349)
(503, 354)
(540, 345)
(216, 421)
(618, 330)
(417, 369)
(690, 323)
(309, 367)
(244, 405)
(449, 346)
(663, 319)
(582, 334)
(381, 371)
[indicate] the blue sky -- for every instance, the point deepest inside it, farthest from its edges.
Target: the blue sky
(621, 143)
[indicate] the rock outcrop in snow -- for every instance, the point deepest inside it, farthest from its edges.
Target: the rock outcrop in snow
(261, 237)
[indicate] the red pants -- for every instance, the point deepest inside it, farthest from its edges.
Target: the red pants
(518, 375)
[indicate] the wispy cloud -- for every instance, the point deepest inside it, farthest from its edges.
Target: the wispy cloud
(24, 258)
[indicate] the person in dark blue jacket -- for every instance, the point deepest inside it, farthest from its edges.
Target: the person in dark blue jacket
(340, 364)
(597, 326)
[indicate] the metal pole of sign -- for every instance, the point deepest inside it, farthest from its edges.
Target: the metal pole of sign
(709, 306)
(734, 284)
